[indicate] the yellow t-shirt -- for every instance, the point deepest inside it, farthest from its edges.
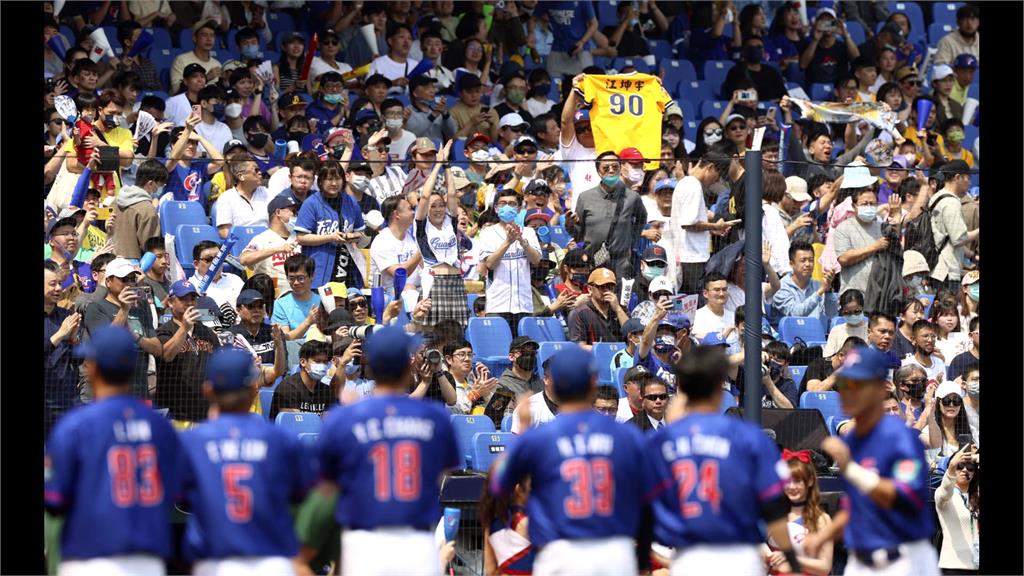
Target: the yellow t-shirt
(119, 137)
(626, 111)
(964, 154)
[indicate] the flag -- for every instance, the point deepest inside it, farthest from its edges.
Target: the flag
(838, 113)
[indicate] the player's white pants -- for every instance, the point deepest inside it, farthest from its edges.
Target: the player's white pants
(244, 566)
(125, 565)
(916, 559)
(605, 556)
(389, 551)
(731, 559)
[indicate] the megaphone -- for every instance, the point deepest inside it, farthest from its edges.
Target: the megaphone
(425, 65)
(924, 108)
(358, 72)
(144, 41)
(371, 38)
(56, 43)
(102, 46)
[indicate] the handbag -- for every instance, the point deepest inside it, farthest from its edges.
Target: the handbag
(602, 255)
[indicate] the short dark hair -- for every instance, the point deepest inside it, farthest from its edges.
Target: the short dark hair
(307, 161)
(299, 263)
(604, 392)
(125, 79)
(648, 380)
(540, 123)
(154, 243)
(508, 193)
(973, 324)
(924, 324)
(255, 121)
(389, 206)
(972, 367)
(150, 171)
(850, 343)
(701, 372)
(198, 249)
(966, 11)
(713, 276)
(101, 260)
(480, 304)
(799, 246)
(329, 168)
(390, 103)
(245, 34)
(110, 97)
(605, 154)
(455, 344)
(84, 65)
(851, 296)
(210, 92)
(877, 317)
(395, 28)
(314, 348)
(151, 101)
(779, 349)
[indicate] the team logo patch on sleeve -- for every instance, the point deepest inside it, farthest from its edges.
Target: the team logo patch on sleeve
(906, 470)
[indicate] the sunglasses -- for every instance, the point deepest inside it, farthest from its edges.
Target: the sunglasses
(715, 132)
(954, 401)
(526, 150)
(583, 129)
(357, 304)
(656, 397)
(912, 82)
(738, 127)
(207, 259)
(969, 466)
(330, 42)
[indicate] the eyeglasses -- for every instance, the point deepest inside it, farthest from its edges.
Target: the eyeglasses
(969, 466)
(738, 127)
(951, 401)
(463, 355)
(503, 203)
(608, 411)
(207, 259)
(357, 303)
(608, 169)
(656, 397)
(297, 279)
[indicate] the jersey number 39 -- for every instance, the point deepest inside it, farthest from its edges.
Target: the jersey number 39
(591, 487)
(621, 103)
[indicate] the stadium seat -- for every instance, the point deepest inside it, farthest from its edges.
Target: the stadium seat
(856, 31)
(542, 328)
(459, 153)
(913, 12)
(603, 352)
(470, 299)
(688, 109)
(559, 236)
(821, 91)
(806, 328)
(173, 214)
(244, 234)
(825, 402)
(677, 71)
(304, 425)
(278, 21)
(836, 321)
(620, 381)
(937, 30)
(715, 72)
(797, 373)
(972, 92)
(661, 49)
(728, 401)
(466, 427)
(602, 62)
(970, 135)
(186, 237)
(185, 40)
(487, 447)
(712, 108)
(111, 33)
(639, 64)
(506, 423)
(931, 300)
(607, 14)
(68, 33)
(266, 397)
(695, 91)
(833, 423)
(490, 338)
(163, 58)
(164, 76)
(161, 39)
(690, 129)
(549, 349)
(945, 12)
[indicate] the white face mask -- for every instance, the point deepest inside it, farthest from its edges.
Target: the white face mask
(635, 175)
(480, 156)
(393, 125)
(290, 225)
(711, 139)
(233, 110)
(359, 182)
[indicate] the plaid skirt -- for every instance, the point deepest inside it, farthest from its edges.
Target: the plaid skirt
(448, 300)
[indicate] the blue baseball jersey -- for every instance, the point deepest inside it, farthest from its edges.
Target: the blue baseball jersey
(709, 475)
(894, 451)
(317, 217)
(187, 183)
(586, 469)
(112, 468)
(655, 366)
(242, 476)
(387, 454)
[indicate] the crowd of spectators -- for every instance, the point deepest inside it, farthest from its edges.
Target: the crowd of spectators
(482, 176)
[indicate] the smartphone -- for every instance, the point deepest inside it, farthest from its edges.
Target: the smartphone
(110, 158)
(677, 301)
(207, 315)
(51, 84)
(144, 292)
(103, 212)
(734, 222)
(771, 112)
(484, 109)
(964, 439)
(748, 95)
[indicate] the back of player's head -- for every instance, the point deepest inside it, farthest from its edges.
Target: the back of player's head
(230, 375)
(573, 374)
(850, 343)
(701, 372)
(113, 352)
(389, 354)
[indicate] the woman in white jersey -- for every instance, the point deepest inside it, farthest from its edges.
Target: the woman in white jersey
(437, 218)
(805, 517)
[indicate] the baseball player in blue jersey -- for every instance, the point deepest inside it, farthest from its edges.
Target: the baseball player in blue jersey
(112, 470)
(712, 478)
(243, 474)
(386, 453)
(586, 469)
(882, 461)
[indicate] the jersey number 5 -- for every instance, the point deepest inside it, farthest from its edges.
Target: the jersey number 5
(404, 457)
(237, 498)
(134, 476)
(685, 472)
(592, 487)
(621, 102)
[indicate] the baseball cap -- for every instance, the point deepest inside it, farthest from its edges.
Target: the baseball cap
(864, 363)
(513, 120)
(632, 326)
(660, 284)
(573, 371)
(292, 99)
(965, 61)
(655, 253)
(892, 28)
(421, 80)
(364, 115)
(601, 277)
(545, 214)
(522, 342)
(732, 118)
(970, 278)
(389, 352)
(280, 201)
(499, 163)
(334, 134)
(232, 144)
(120, 268)
(899, 162)
(581, 116)
(469, 81)
(113, 350)
(676, 320)
(576, 258)
(70, 212)
(184, 288)
(248, 296)
(713, 339)
(669, 183)
(377, 79)
(914, 263)
(828, 11)
(537, 187)
(359, 167)
(423, 144)
(478, 136)
(955, 167)
(941, 71)
(905, 72)
(524, 139)
(459, 178)
(60, 223)
(946, 388)
(857, 175)
(630, 154)
(339, 317)
(193, 69)
(673, 109)
(796, 188)
(230, 369)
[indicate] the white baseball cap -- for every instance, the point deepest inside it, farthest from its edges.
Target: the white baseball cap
(660, 284)
(512, 119)
(946, 388)
(120, 268)
(941, 71)
(796, 188)
(857, 175)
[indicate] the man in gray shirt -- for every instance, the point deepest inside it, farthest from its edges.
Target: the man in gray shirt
(428, 115)
(595, 220)
(859, 238)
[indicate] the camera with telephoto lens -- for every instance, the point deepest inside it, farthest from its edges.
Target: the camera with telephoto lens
(363, 332)
(433, 356)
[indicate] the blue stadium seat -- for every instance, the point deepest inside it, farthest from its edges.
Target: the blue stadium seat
(164, 76)
(607, 14)
(856, 31)
(821, 91)
(712, 108)
(305, 426)
(603, 352)
(506, 423)
(161, 38)
(244, 234)
(807, 328)
(937, 30)
(465, 428)
(266, 397)
(640, 65)
(690, 129)
(185, 40)
(728, 401)
(970, 135)
(928, 308)
(68, 33)
(186, 237)
(689, 111)
(490, 338)
(559, 236)
(825, 402)
(945, 12)
(173, 214)
(797, 373)
(913, 12)
(459, 153)
(661, 49)
(470, 299)
(547, 350)
(487, 447)
(542, 328)
(278, 21)
(162, 57)
(620, 381)
(678, 71)
(833, 423)
(603, 62)
(111, 33)
(715, 72)
(973, 91)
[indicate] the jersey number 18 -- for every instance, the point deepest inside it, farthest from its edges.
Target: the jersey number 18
(396, 471)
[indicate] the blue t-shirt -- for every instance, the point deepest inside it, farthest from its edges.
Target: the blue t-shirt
(779, 48)
(568, 21)
(187, 183)
(959, 364)
(113, 469)
(586, 469)
(290, 311)
(316, 216)
(243, 473)
(324, 115)
(708, 476)
(655, 366)
(894, 451)
(387, 454)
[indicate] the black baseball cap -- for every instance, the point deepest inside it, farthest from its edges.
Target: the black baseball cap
(377, 79)
(955, 167)
(469, 81)
(421, 80)
(655, 253)
(522, 342)
(192, 69)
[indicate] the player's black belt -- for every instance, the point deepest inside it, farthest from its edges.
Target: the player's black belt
(877, 558)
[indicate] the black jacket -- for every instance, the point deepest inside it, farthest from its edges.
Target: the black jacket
(642, 421)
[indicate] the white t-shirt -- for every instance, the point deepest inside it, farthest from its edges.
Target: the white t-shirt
(392, 70)
(582, 175)
(625, 413)
(706, 322)
(177, 109)
(223, 291)
(508, 285)
(386, 251)
(273, 266)
(539, 413)
(399, 147)
(688, 208)
(936, 374)
(235, 210)
(217, 133)
(774, 231)
(319, 66)
(536, 108)
(954, 344)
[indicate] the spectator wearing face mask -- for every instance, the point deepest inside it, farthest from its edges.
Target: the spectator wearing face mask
(752, 72)
(306, 391)
(851, 308)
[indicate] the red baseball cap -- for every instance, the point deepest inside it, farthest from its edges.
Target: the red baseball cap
(478, 136)
(631, 155)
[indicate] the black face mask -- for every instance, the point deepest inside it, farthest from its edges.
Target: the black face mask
(753, 54)
(527, 362)
(774, 370)
(915, 391)
(297, 136)
(579, 279)
(109, 122)
(542, 89)
(258, 140)
(218, 111)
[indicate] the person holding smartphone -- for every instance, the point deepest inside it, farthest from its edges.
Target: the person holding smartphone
(956, 501)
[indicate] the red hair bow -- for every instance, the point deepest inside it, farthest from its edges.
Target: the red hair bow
(803, 455)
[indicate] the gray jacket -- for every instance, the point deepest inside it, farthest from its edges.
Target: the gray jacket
(595, 211)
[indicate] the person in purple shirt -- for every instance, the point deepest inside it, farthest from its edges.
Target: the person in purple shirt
(887, 528)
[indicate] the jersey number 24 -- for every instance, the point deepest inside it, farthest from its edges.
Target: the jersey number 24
(706, 483)
(591, 487)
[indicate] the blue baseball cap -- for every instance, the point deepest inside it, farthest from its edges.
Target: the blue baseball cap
(248, 296)
(677, 320)
(581, 116)
(665, 183)
(965, 61)
(230, 369)
(363, 116)
(713, 339)
(182, 288)
(632, 326)
(113, 350)
(573, 370)
(864, 363)
(389, 352)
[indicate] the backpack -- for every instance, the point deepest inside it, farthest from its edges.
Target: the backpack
(918, 233)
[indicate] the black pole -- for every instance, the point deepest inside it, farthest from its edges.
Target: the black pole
(754, 273)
